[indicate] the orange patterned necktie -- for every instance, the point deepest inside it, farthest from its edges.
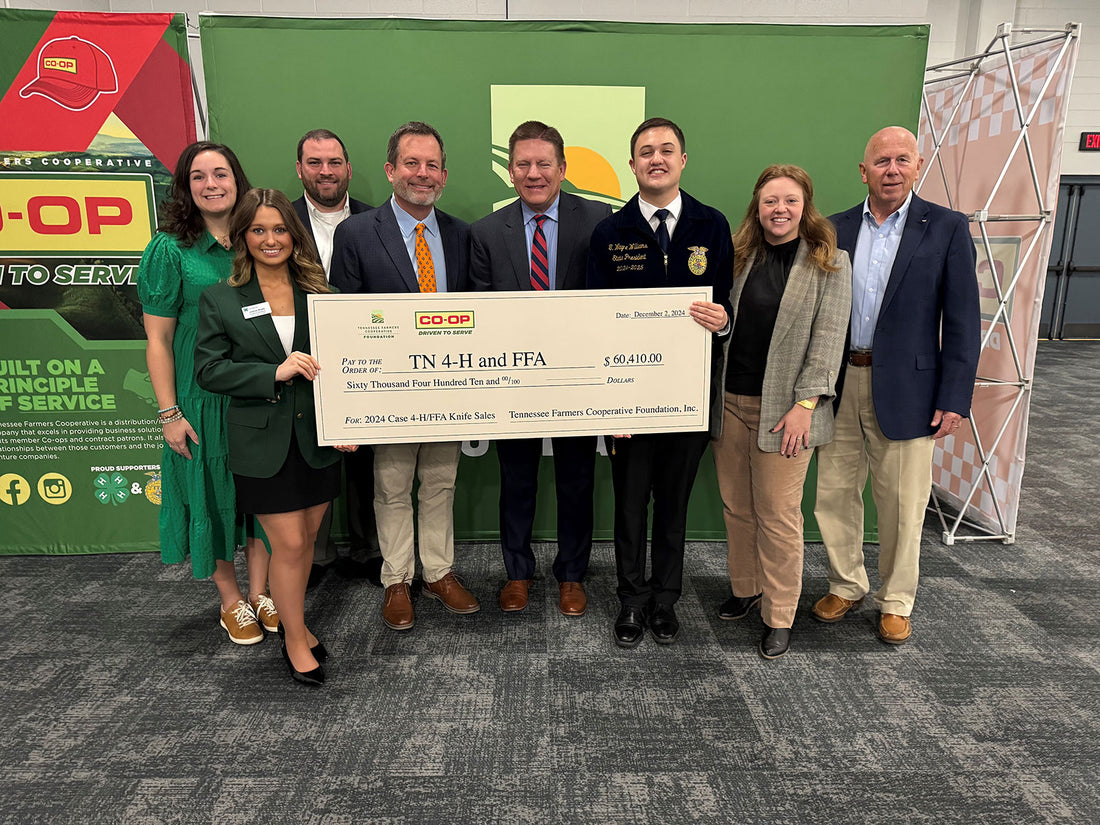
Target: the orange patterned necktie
(425, 269)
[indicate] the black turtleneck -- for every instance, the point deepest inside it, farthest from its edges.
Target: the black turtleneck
(756, 313)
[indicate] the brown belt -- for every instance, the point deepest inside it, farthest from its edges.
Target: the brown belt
(860, 358)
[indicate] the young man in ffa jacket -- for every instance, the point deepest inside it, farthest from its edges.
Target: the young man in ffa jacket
(686, 243)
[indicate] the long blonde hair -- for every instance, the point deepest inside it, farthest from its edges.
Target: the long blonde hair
(814, 229)
(304, 268)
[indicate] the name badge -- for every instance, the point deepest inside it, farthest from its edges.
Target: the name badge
(256, 310)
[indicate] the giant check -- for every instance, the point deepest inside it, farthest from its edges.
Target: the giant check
(488, 365)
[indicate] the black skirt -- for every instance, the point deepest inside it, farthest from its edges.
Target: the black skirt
(296, 486)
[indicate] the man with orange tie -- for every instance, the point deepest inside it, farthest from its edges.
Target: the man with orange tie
(407, 245)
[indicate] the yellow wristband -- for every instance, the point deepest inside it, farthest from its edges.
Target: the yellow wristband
(808, 403)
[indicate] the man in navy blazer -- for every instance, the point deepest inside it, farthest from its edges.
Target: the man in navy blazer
(535, 244)
(325, 171)
(407, 245)
(907, 378)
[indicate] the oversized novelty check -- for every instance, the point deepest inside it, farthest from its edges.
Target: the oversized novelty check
(488, 365)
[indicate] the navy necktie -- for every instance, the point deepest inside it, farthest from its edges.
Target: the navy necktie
(662, 229)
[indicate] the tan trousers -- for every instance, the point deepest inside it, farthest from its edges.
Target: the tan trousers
(395, 467)
(901, 481)
(762, 506)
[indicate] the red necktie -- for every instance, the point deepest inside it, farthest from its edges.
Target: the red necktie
(540, 261)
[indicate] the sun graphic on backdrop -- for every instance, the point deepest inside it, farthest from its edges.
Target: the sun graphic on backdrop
(590, 172)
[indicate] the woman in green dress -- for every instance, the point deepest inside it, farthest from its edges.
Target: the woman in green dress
(198, 516)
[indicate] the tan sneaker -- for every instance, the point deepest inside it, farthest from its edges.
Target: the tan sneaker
(454, 596)
(240, 623)
(265, 611)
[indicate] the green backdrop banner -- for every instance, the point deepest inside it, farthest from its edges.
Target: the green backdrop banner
(745, 95)
(95, 111)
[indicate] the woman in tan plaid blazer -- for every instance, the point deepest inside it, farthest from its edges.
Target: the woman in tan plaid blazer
(791, 298)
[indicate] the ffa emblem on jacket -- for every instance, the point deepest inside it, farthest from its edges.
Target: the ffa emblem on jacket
(697, 260)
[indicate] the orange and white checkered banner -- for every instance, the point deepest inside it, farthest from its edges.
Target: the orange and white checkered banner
(981, 160)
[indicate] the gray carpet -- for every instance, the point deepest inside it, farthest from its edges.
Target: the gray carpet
(121, 700)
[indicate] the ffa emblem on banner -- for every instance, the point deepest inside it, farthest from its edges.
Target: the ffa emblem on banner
(697, 260)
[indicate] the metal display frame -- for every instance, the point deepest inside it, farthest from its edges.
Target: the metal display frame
(971, 68)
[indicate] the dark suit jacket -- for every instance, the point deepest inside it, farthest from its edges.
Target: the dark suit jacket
(237, 356)
(303, 212)
(499, 258)
(928, 336)
(369, 254)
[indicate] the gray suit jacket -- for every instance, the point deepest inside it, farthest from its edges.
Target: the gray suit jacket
(807, 344)
(369, 254)
(499, 257)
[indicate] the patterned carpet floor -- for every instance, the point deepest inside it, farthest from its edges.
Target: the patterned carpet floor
(121, 701)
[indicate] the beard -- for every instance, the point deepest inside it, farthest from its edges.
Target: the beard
(407, 193)
(328, 201)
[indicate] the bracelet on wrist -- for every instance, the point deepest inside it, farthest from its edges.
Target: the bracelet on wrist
(168, 409)
(176, 416)
(808, 403)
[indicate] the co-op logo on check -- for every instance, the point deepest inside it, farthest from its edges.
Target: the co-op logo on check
(447, 319)
(73, 73)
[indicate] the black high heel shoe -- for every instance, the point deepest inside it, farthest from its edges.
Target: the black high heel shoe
(315, 677)
(318, 650)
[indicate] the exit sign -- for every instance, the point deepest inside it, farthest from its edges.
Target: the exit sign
(1090, 142)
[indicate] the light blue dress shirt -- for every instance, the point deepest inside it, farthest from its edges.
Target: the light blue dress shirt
(550, 230)
(876, 249)
(407, 224)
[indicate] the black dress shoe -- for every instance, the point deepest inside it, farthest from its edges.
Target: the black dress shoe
(664, 625)
(315, 677)
(630, 626)
(318, 650)
(738, 607)
(371, 569)
(775, 642)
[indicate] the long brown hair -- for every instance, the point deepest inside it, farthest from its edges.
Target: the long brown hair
(814, 229)
(180, 216)
(307, 273)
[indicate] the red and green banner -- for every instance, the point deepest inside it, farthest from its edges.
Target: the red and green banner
(95, 112)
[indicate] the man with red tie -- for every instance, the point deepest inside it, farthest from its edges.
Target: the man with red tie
(536, 244)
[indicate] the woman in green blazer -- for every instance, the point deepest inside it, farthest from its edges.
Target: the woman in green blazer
(791, 298)
(253, 345)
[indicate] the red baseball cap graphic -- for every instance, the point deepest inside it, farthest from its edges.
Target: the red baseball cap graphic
(72, 73)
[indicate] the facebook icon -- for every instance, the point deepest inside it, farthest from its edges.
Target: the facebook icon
(14, 489)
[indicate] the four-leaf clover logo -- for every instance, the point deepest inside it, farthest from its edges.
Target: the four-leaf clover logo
(111, 489)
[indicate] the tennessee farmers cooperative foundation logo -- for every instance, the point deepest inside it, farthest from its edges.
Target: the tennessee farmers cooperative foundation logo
(73, 73)
(596, 123)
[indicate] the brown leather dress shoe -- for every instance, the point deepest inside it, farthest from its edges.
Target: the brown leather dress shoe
(454, 596)
(571, 599)
(894, 629)
(397, 608)
(833, 608)
(513, 596)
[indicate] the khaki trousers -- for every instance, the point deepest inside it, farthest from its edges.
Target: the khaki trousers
(762, 506)
(901, 481)
(395, 466)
